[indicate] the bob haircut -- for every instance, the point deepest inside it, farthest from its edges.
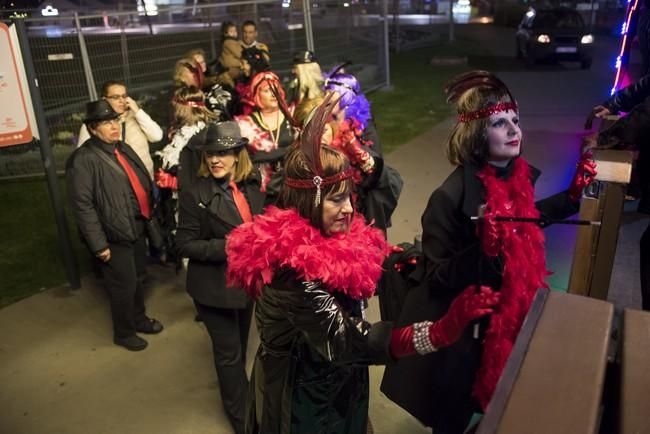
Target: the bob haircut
(467, 142)
(184, 113)
(352, 99)
(261, 81)
(242, 170)
(310, 80)
(302, 199)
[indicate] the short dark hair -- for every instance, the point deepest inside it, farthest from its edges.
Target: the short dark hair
(110, 83)
(225, 26)
(249, 23)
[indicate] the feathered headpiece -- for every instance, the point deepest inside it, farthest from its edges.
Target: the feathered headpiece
(352, 99)
(458, 85)
(310, 145)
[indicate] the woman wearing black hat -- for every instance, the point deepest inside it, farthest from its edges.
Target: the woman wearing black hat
(226, 195)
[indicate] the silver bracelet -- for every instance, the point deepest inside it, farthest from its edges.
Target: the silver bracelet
(421, 340)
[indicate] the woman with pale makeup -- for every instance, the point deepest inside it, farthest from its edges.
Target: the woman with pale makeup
(485, 146)
(225, 195)
(267, 129)
(310, 263)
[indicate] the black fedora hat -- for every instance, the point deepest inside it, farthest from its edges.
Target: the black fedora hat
(223, 136)
(305, 56)
(97, 111)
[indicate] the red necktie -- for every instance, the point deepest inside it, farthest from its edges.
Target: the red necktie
(136, 185)
(241, 203)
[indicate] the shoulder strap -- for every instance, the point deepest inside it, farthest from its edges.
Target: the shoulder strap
(101, 154)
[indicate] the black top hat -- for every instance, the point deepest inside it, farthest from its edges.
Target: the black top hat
(97, 111)
(223, 136)
(305, 56)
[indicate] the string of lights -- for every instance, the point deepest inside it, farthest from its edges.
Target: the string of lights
(623, 57)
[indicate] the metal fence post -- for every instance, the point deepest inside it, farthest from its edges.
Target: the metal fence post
(386, 43)
(88, 72)
(309, 32)
(126, 69)
(71, 269)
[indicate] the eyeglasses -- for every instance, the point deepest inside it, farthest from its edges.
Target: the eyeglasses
(117, 97)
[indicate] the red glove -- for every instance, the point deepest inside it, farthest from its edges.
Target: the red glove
(347, 141)
(166, 180)
(489, 231)
(584, 175)
(467, 307)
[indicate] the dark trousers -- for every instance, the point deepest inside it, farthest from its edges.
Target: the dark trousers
(123, 276)
(645, 269)
(228, 329)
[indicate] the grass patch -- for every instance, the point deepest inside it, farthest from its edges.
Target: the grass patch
(417, 101)
(31, 259)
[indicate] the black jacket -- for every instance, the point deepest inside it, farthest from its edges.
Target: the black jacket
(627, 98)
(101, 196)
(310, 374)
(436, 388)
(207, 214)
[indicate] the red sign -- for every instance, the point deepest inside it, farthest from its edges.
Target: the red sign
(14, 119)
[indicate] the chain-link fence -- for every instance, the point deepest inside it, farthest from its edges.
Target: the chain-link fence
(74, 54)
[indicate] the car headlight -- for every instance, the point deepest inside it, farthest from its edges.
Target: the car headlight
(544, 39)
(587, 39)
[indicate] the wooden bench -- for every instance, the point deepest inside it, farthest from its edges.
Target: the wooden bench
(553, 380)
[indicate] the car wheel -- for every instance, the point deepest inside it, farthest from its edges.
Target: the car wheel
(585, 64)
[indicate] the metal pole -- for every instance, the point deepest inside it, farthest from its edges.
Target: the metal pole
(71, 268)
(126, 68)
(451, 21)
(309, 34)
(386, 44)
(85, 60)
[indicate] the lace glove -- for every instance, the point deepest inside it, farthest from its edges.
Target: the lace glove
(347, 141)
(426, 336)
(166, 180)
(584, 175)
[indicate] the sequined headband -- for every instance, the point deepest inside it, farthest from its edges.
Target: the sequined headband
(487, 111)
(189, 103)
(317, 182)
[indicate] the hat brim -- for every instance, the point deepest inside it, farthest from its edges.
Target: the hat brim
(103, 118)
(225, 144)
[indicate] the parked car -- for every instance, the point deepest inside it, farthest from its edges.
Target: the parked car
(557, 33)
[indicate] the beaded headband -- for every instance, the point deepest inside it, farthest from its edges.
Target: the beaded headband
(487, 111)
(317, 182)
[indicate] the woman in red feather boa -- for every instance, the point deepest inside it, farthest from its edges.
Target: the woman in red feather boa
(444, 390)
(310, 264)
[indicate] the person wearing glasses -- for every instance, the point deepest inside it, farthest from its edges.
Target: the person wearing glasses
(138, 129)
(109, 190)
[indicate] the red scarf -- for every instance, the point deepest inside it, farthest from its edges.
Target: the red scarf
(524, 270)
(350, 263)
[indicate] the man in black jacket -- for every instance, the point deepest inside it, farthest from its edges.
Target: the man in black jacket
(109, 189)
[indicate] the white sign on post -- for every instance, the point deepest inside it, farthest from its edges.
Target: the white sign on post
(15, 126)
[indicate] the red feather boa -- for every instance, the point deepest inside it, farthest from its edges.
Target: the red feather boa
(524, 270)
(350, 263)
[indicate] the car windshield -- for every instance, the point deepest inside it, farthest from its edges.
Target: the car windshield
(558, 20)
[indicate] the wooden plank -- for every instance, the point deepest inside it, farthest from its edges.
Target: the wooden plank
(559, 385)
(613, 165)
(584, 253)
(635, 373)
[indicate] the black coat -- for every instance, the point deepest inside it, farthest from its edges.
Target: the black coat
(100, 193)
(310, 374)
(436, 388)
(207, 214)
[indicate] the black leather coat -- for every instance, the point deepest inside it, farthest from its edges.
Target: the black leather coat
(436, 388)
(310, 374)
(206, 216)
